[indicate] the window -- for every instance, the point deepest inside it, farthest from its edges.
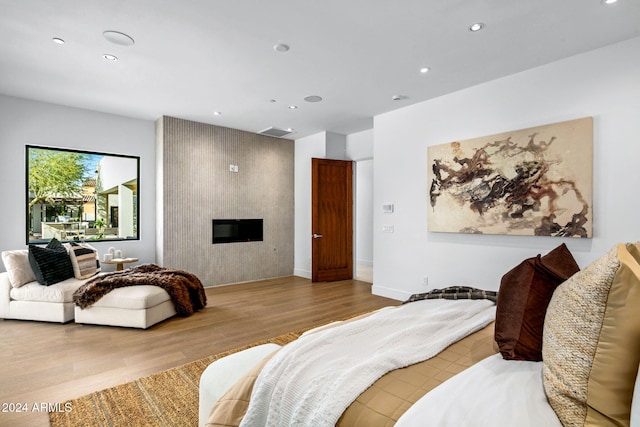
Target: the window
(81, 195)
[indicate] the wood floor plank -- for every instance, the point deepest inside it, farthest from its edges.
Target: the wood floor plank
(47, 362)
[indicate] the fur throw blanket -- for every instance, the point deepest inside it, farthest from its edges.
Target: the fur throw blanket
(185, 289)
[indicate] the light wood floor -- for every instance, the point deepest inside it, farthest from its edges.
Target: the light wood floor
(48, 362)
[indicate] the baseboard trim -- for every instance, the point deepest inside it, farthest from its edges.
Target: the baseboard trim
(390, 293)
(302, 273)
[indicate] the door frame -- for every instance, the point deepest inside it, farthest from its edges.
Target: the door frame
(318, 274)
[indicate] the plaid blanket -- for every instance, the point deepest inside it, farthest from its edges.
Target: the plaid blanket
(455, 292)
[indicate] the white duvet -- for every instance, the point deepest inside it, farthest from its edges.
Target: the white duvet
(492, 393)
(311, 381)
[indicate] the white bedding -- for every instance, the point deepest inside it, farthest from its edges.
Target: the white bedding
(492, 393)
(312, 380)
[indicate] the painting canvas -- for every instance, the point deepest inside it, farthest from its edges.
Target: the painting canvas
(535, 181)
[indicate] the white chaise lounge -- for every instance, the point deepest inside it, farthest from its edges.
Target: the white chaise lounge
(22, 297)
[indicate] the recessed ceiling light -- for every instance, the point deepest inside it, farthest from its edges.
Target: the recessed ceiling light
(293, 107)
(217, 113)
(609, 1)
(118, 38)
(398, 97)
(313, 98)
(281, 47)
(424, 70)
(476, 27)
(58, 40)
(110, 57)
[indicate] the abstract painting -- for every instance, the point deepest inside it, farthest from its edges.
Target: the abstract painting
(535, 182)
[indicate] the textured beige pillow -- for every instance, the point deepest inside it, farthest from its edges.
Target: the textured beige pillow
(84, 259)
(591, 341)
(18, 267)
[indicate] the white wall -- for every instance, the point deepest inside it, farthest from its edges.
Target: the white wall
(364, 212)
(24, 122)
(360, 149)
(305, 149)
(604, 84)
(360, 145)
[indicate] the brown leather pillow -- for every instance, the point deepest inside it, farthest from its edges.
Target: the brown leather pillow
(525, 292)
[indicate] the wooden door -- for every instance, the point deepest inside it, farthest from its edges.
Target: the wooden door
(331, 220)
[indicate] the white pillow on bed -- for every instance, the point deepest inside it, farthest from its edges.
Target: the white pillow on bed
(492, 393)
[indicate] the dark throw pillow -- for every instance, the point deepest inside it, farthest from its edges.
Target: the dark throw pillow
(50, 264)
(525, 292)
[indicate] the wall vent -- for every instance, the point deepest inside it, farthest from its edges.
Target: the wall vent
(278, 133)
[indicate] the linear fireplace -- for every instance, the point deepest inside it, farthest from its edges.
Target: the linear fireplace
(237, 230)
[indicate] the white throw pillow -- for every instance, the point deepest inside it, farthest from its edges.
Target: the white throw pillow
(17, 265)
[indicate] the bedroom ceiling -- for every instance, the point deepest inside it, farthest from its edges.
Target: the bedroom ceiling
(191, 59)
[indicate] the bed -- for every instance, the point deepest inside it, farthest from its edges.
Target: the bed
(542, 356)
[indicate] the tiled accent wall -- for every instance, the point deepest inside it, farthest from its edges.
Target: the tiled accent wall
(197, 186)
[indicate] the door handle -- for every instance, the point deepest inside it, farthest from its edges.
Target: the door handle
(316, 236)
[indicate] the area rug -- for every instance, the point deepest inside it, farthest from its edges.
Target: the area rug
(166, 399)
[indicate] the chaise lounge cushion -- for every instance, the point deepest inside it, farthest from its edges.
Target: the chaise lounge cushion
(18, 267)
(138, 306)
(59, 292)
(138, 297)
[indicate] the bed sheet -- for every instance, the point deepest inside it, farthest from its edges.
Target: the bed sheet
(493, 393)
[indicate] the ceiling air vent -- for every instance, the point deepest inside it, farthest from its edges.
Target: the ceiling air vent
(278, 133)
